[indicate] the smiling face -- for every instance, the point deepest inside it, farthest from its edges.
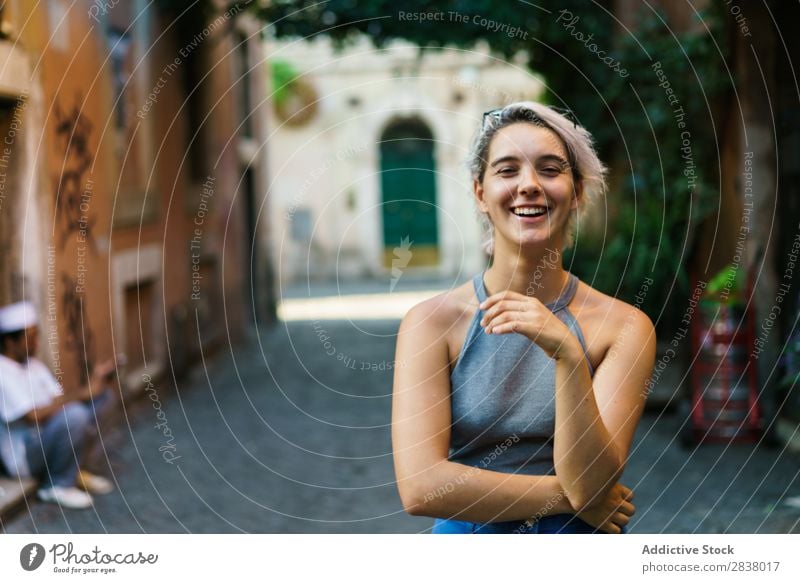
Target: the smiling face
(527, 189)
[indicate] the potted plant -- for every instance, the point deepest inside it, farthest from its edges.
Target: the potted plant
(723, 301)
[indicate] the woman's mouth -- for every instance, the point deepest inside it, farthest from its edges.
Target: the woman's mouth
(530, 214)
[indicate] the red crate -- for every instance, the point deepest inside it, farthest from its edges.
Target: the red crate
(723, 374)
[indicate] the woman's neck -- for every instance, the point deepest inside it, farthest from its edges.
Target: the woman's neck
(539, 275)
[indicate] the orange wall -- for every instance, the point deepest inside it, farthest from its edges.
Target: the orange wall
(77, 184)
(80, 164)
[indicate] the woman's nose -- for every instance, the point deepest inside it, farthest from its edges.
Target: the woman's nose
(529, 181)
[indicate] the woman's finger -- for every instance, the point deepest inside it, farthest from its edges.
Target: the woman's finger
(505, 322)
(621, 519)
(508, 327)
(502, 307)
(603, 527)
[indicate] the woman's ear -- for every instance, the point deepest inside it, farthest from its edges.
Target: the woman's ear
(577, 196)
(477, 189)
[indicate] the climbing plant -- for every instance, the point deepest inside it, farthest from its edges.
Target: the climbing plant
(663, 148)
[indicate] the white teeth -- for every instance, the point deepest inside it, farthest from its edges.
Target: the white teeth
(529, 211)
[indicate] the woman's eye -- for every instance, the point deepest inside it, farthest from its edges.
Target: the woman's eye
(551, 171)
(506, 170)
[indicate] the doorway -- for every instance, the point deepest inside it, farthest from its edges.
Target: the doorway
(408, 186)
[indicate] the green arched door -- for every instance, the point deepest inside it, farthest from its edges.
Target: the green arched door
(408, 184)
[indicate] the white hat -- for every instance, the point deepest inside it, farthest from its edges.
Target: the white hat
(15, 317)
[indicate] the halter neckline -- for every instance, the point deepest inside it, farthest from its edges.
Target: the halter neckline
(557, 304)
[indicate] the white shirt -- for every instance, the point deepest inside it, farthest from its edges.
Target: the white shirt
(23, 388)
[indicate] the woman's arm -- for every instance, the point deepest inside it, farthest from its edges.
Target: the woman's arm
(428, 483)
(596, 418)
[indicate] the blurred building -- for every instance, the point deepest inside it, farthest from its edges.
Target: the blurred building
(367, 154)
(130, 179)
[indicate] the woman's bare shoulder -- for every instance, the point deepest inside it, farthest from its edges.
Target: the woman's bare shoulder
(613, 311)
(604, 319)
(444, 311)
(593, 300)
(441, 321)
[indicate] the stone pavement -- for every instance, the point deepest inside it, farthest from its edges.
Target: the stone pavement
(290, 433)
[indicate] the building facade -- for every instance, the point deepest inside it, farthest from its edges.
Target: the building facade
(367, 152)
(125, 212)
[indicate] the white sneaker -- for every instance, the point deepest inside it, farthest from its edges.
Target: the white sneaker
(66, 497)
(93, 483)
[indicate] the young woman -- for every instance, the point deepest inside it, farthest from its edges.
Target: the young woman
(520, 391)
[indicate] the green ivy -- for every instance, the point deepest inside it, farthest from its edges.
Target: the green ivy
(657, 207)
(283, 74)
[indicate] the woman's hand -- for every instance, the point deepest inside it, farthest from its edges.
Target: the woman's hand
(509, 311)
(612, 513)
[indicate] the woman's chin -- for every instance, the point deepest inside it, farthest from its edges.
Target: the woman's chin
(535, 240)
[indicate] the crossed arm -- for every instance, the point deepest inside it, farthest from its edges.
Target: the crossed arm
(594, 429)
(596, 418)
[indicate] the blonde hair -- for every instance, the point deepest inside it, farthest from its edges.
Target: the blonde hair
(587, 169)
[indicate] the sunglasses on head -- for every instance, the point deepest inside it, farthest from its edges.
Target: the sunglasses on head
(565, 111)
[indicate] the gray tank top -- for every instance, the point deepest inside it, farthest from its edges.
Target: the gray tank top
(503, 395)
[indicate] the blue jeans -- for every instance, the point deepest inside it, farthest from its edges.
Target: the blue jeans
(54, 447)
(553, 524)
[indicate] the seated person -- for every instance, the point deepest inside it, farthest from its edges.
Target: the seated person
(42, 430)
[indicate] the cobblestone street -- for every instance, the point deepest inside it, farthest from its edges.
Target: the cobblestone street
(290, 433)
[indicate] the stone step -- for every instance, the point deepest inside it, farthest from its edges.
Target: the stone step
(13, 492)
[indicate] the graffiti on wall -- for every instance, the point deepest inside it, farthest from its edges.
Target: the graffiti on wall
(72, 188)
(73, 197)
